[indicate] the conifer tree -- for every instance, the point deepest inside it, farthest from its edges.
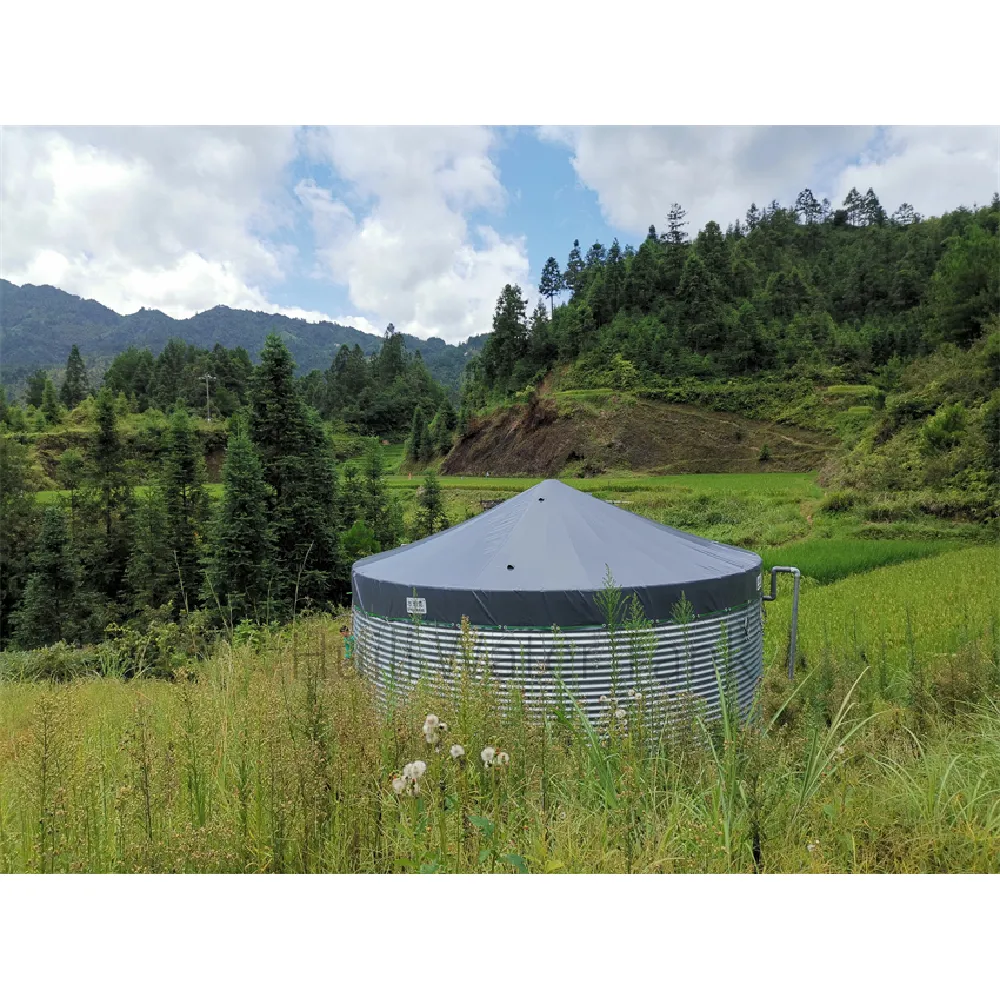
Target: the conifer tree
(48, 610)
(874, 214)
(551, 282)
(182, 484)
(381, 511)
(676, 235)
(351, 496)
(107, 504)
(574, 268)
(359, 542)
(36, 388)
(430, 516)
(298, 466)
(808, 207)
(50, 403)
(241, 563)
(416, 442)
(3, 404)
(75, 388)
(18, 527)
(854, 205)
(151, 576)
(437, 432)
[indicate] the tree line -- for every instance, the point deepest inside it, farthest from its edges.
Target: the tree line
(371, 395)
(283, 534)
(784, 288)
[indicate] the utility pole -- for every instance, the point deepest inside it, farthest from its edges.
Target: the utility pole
(208, 402)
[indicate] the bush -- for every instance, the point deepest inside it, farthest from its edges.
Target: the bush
(59, 662)
(944, 430)
(840, 500)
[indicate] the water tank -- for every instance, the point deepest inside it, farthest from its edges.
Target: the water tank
(529, 576)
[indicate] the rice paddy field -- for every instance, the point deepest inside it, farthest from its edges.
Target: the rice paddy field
(265, 752)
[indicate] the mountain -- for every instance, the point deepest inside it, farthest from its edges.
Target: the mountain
(39, 324)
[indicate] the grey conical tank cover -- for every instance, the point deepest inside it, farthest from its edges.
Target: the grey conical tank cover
(541, 558)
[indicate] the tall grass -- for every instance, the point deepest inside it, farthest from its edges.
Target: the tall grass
(830, 559)
(884, 756)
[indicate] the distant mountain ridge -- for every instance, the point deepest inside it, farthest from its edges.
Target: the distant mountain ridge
(40, 323)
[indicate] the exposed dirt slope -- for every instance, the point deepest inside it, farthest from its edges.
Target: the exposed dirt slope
(591, 433)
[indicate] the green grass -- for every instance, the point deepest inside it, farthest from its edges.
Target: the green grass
(883, 756)
(764, 483)
(898, 622)
(830, 559)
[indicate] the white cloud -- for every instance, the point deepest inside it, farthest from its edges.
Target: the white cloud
(404, 247)
(934, 169)
(715, 173)
(170, 219)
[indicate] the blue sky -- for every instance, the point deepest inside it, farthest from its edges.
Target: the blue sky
(418, 227)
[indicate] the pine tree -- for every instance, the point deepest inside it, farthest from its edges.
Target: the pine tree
(18, 527)
(853, 205)
(415, 443)
(381, 511)
(574, 269)
(48, 610)
(872, 211)
(551, 283)
(298, 466)
(595, 258)
(615, 278)
(36, 388)
(75, 388)
(438, 432)
(359, 542)
(431, 516)
(182, 484)
(753, 217)
(50, 403)
(352, 498)
(702, 326)
(107, 498)
(151, 576)
(241, 561)
(508, 342)
(675, 235)
(807, 207)
(4, 409)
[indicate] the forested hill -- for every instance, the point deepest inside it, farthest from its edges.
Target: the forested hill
(883, 329)
(39, 325)
(787, 289)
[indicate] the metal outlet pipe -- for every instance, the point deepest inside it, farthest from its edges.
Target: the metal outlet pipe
(775, 570)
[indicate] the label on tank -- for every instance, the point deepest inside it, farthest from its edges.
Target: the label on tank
(416, 605)
(758, 581)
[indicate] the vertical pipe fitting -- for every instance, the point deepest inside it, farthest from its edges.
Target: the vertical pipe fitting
(775, 570)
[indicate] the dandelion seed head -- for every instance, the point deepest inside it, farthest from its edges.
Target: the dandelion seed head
(619, 713)
(487, 754)
(457, 750)
(399, 784)
(502, 758)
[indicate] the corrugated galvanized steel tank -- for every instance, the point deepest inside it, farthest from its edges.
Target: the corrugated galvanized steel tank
(528, 575)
